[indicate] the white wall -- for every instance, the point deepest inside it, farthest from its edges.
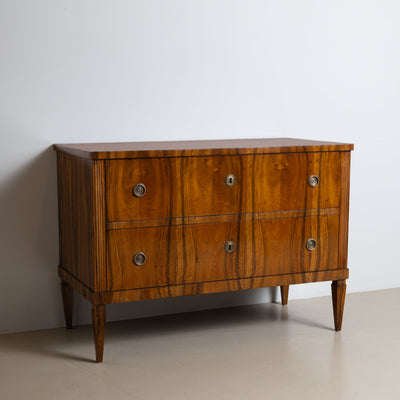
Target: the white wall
(97, 70)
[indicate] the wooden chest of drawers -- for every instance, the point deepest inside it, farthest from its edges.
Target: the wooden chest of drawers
(160, 219)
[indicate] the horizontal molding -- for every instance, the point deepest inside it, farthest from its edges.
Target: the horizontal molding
(188, 289)
(212, 219)
(221, 286)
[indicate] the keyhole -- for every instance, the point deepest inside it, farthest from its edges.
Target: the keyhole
(229, 247)
(230, 180)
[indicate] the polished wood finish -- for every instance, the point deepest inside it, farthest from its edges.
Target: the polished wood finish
(344, 210)
(214, 219)
(188, 213)
(195, 186)
(338, 296)
(81, 288)
(76, 215)
(119, 296)
(99, 320)
(67, 292)
(284, 294)
(99, 225)
(82, 224)
(196, 148)
(184, 254)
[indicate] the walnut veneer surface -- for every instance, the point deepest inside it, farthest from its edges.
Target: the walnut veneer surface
(208, 216)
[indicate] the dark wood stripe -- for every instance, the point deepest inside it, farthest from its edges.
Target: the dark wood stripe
(344, 210)
(99, 222)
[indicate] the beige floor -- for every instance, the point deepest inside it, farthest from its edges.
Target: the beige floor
(253, 352)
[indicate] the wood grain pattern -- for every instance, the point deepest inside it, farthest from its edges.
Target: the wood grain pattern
(99, 320)
(76, 214)
(338, 297)
(188, 253)
(273, 247)
(188, 213)
(99, 226)
(220, 286)
(344, 209)
(215, 219)
(327, 166)
(188, 289)
(67, 293)
(175, 255)
(198, 148)
(72, 280)
(284, 294)
(187, 187)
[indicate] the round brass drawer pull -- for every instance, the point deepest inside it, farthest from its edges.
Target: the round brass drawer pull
(139, 258)
(313, 181)
(139, 190)
(311, 244)
(229, 247)
(230, 180)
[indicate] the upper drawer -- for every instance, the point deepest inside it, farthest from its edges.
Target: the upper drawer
(195, 186)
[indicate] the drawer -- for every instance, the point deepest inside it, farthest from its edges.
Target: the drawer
(278, 246)
(196, 253)
(195, 186)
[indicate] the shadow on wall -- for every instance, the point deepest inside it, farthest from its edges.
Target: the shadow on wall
(29, 257)
(29, 245)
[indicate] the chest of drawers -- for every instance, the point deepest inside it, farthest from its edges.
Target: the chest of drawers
(150, 220)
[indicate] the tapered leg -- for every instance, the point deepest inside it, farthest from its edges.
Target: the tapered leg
(338, 296)
(67, 293)
(99, 320)
(284, 294)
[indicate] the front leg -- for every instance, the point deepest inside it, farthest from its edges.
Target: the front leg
(99, 320)
(338, 296)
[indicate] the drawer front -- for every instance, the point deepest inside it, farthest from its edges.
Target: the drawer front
(198, 253)
(177, 254)
(279, 246)
(195, 186)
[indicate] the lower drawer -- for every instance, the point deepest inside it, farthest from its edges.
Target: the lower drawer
(200, 253)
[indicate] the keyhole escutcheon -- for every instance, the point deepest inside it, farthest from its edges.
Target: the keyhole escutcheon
(229, 246)
(230, 180)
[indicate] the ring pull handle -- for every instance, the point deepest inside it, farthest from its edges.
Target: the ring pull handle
(313, 181)
(139, 258)
(139, 190)
(311, 244)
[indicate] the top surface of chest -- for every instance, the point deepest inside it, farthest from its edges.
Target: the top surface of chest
(98, 151)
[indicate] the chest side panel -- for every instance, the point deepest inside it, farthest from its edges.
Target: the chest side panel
(76, 215)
